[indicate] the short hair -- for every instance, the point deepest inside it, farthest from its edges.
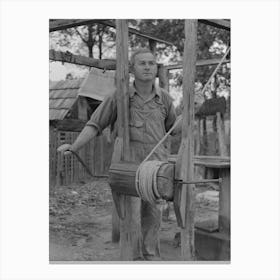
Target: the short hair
(138, 51)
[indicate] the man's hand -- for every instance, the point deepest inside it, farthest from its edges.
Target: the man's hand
(64, 149)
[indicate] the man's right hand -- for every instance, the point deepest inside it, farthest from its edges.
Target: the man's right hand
(64, 149)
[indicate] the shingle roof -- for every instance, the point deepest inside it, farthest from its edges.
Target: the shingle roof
(62, 96)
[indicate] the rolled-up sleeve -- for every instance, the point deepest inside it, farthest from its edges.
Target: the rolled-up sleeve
(105, 114)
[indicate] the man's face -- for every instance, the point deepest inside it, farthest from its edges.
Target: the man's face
(145, 67)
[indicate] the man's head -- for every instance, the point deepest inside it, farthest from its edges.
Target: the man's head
(143, 65)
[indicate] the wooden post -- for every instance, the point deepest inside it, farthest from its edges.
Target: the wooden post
(101, 145)
(152, 45)
(198, 138)
(82, 108)
(123, 202)
(184, 196)
(163, 77)
(224, 201)
(221, 136)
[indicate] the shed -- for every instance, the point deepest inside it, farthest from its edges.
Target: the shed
(69, 111)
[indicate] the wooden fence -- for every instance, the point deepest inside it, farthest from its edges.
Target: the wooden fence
(64, 170)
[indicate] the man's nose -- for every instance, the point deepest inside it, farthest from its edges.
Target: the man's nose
(147, 66)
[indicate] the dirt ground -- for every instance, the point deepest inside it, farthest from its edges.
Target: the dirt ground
(80, 223)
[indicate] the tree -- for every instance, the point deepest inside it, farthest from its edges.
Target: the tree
(211, 44)
(84, 40)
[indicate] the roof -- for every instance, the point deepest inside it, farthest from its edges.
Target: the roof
(62, 96)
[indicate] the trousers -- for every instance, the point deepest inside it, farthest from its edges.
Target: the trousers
(146, 217)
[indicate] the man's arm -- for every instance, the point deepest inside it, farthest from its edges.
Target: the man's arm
(104, 115)
(88, 133)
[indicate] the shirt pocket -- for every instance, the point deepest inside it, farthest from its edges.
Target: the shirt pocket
(136, 130)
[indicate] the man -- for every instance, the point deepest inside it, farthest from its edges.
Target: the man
(151, 115)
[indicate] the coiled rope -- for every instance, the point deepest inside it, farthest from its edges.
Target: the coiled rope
(146, 174)
(146, 181)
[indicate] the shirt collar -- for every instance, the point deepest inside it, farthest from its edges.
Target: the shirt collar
(156, 91)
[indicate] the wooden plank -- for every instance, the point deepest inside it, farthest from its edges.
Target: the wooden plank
(163, 77)
(60, 24)
(198, 138)
(82, 108)
(219, 23)
(59, 166)
(76, 165)
(109, 64)
(202, 62)
(122, 76)
(185, 197)
(101, 144)
(130, 227)
(152, 46)
(224, 201)
(221, 136)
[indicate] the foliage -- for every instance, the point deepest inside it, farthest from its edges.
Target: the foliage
(99, 40)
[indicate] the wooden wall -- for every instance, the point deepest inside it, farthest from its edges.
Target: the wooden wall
(66, 170)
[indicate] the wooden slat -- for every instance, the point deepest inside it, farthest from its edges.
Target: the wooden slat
(129, 225)
(60, 24)
(82, 108)
(202, 62)
(219, 23)
(110, 64)
(185, 196)
(221, 136)
(122, 76)
(68, 57)
(163, 77)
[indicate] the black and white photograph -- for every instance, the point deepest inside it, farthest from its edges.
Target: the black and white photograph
(139, 120)
(139, 140)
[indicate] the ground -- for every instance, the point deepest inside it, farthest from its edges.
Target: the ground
(80, 223)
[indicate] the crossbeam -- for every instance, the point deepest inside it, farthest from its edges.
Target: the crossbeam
(61, 24)
(110, 64)
(219, 23)
(202, 62)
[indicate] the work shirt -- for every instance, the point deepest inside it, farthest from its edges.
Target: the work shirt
(149, 120)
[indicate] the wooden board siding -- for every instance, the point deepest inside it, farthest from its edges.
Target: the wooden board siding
(70, 170)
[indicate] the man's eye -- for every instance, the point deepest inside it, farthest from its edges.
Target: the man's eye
(152, 63)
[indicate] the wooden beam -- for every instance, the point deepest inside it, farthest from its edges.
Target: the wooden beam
(108, 64)
(60, 24)
(152, 46)
(122, 77)
(130, 225)
(82, 108)
(163, 77)
(184, 197)
(202, 62)
(219, 23)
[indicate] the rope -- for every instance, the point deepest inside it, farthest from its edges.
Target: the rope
(215, 71)
(146, 181)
